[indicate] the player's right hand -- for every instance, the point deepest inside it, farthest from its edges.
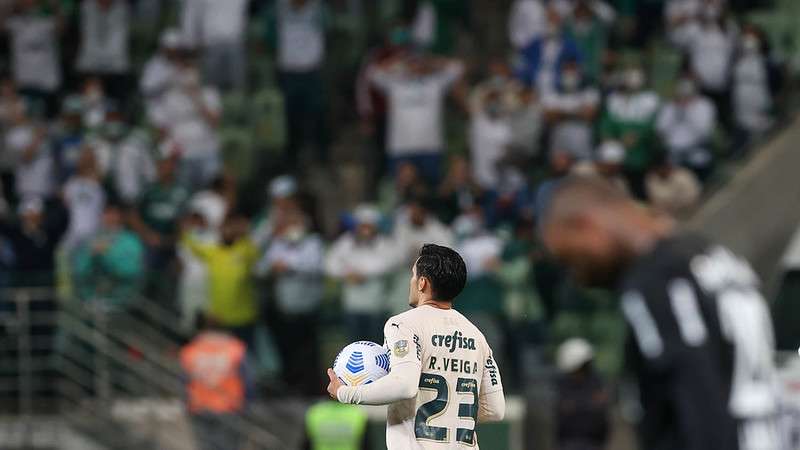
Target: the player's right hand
(334, 385)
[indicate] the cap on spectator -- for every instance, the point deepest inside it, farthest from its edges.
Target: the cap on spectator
(611, 152)
(171, 39)
(31, 205)
(572, 354)
(282, 187)
(367, 215)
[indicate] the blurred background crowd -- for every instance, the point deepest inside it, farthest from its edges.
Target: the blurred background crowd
(273, 166)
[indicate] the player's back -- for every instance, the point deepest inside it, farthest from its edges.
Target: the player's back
(457, 368)
(702, 346)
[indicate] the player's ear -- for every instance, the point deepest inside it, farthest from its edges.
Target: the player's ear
(422, 283)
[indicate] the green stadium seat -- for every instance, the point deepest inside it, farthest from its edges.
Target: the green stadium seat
(269, 126)
(237, 153)
(235, 108)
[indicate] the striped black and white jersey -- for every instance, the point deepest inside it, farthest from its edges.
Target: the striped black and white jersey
(701, 346)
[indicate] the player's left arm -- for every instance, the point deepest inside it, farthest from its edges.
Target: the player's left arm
(492, 400)
(402, 382)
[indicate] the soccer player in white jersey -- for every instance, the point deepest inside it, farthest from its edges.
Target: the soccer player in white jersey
(443, 378)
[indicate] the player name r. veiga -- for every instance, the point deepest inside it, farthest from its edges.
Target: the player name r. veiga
(453, 365)
(454, 341)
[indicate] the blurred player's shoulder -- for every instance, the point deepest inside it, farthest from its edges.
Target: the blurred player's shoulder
(670, 256)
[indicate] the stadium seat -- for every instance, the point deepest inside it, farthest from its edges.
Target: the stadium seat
(270, 120)
(237, 152)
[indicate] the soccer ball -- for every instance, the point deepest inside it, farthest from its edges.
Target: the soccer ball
(361, 362)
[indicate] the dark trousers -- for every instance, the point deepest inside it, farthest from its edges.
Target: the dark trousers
(297, 338)
(215, 432)
(365, 326)
(303, 94)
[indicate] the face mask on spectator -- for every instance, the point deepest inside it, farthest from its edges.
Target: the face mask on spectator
(570, 80)
(493, 109)
(93, 95)
(190, 78)
(634, 80)
(750, 44)
(295, 233)
(115, 130)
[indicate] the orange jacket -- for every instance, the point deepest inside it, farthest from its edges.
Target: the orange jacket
(214, 364)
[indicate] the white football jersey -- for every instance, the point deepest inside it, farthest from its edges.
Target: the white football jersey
(457, 369)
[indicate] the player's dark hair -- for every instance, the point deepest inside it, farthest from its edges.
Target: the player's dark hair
(444, 268)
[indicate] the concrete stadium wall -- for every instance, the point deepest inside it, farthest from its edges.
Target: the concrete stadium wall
(756, 213)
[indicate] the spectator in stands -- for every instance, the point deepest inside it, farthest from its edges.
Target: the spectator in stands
(752, 99)
(560, 165)
(133, 166)
(672, 188)
(570, 111)
(490, 137)
(527, 125)
(514, 104)
(208, 209)
(218, 386)
(414, 225)
(629, 118)
(590, 28)
(682, 20)
(297, 29)
(294, 262)
(161, 70)
(35, 51)
(459, 191)
(85, 199)
(108, 267)
(543, 60)
(371, 102)
(33, 240)
(218, 29)
(68, 137)
(511, 199)
(527, 21)
(230, 262)
(28, 154)
(686, 125)
(583, 399)
(607, 164)
(155, 219)
(94, 103)
(361, 259)
(188, 116)
(710, 57)
(104, 44)
(330, 421)
(416, 88)
(407, 183)
(284, 200)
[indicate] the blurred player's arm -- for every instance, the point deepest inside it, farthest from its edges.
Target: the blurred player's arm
(402, 382)
(492, 400)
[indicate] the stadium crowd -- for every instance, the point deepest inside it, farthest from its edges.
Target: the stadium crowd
(124, 126)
